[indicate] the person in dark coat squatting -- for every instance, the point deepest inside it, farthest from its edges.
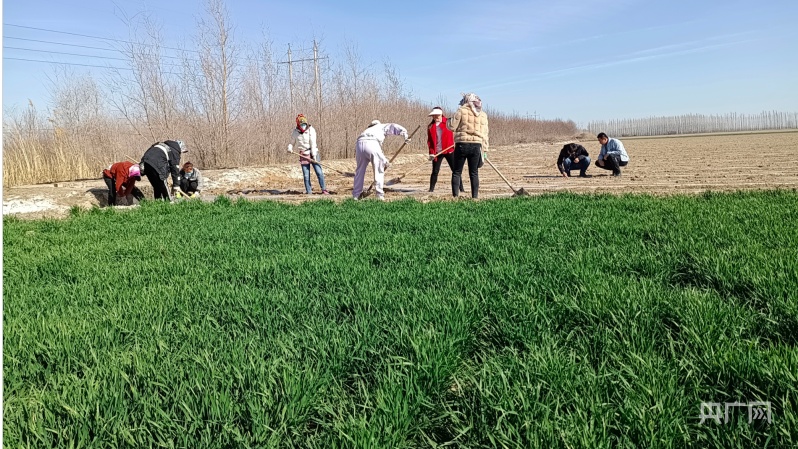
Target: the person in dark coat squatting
(571, 156)
(190, 181)
(161, 160)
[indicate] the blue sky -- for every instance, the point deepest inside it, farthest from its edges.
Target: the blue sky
(573, 59)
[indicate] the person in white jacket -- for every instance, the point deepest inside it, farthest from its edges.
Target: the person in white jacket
(304, 138)
(369, 150)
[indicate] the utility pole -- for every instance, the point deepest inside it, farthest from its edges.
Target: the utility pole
(317, 81)
(290, 77)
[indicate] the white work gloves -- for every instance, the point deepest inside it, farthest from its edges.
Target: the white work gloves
(405, 136)
(314, 153)
(431, 157)
(290, 148)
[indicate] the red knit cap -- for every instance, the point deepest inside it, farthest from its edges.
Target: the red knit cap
(300, 119)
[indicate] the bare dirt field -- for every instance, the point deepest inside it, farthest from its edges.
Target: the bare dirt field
(665, 165)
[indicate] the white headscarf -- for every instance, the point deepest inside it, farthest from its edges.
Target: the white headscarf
(473, 101)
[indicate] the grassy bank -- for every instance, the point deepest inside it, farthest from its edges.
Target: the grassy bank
(557, 321)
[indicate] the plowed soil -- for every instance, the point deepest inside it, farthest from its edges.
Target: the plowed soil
(663, 166)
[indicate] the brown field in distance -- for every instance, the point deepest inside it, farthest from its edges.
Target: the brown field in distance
(662, 166)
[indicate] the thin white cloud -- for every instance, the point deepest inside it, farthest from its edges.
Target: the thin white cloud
(687, 45)
(520, 20)
(629, 59)
(549, 45)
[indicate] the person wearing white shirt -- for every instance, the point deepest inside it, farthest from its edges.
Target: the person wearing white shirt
(303, 137)
(368, 150)
(612, 156)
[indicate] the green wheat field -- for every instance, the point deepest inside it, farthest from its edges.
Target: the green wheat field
(559, 321)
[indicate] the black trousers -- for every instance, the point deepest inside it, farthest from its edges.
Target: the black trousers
(471, 153)
(189, 186)
(111, 183)
(613, 163)
(436, 168)
(159, 186)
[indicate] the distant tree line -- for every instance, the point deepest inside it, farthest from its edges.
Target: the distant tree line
(696, 123)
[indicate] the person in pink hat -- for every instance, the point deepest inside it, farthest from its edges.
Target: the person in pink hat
(120, 178)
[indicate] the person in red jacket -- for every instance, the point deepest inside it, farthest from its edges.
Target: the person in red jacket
(121, 180)
(439, 138)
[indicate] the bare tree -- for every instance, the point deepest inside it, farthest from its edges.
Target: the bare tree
(208, 99)
(146, 99)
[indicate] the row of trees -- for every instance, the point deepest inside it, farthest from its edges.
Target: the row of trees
(696, 123)
(233, 103)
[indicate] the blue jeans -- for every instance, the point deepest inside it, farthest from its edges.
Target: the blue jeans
(582, 165)
(306, 176)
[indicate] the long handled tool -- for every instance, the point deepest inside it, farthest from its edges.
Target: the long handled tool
(398, 179)
(520, 192)
(187, 196)
(368, 191)
(312, 161)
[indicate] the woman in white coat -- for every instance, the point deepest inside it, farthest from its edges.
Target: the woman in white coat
(303, 139)
(369, 150)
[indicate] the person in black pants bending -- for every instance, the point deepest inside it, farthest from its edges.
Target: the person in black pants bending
(470, 127)
(161, 160)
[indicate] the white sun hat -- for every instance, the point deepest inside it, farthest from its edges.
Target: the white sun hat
(436, 111)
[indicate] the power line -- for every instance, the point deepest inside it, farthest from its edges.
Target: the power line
(60, 43)
(68, 54)
(121, 41)
(85, 56)
(80, 46)
(92, 37)
(67, 63)
(302, 60)
(81, 65)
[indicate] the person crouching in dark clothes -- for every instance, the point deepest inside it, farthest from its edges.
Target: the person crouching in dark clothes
(190, 180)
(161, 160)
(572, 156)
(121, 180)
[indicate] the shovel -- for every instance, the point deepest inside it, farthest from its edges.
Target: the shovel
(186, 195)
(398, 179)
(323, 165)
(367, 192)
(520, 192)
